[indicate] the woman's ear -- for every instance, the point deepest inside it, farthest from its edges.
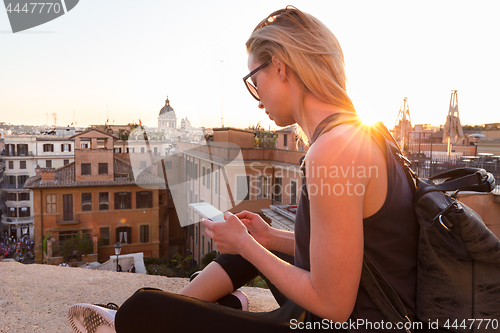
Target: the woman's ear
(281, 68)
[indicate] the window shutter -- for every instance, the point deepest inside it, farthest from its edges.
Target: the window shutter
(129, 235)
(69, 146)
(150, 199)
(62, 147)
(129, 200)
(117, 198)
(117, 235)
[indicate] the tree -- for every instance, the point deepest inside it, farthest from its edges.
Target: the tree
(179, 263)
(208, 258)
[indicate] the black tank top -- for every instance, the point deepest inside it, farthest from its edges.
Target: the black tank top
(390, 241)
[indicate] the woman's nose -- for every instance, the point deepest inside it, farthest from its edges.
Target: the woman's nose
(261, 106)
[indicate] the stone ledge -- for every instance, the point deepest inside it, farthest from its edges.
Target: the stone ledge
(36, 298)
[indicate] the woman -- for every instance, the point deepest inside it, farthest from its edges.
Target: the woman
(354, 192)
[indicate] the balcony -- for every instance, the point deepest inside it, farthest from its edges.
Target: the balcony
(16, 220)
(16, 153)
(70, 219)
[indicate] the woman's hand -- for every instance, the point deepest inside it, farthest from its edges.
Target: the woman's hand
(258, 228)
(229, 236)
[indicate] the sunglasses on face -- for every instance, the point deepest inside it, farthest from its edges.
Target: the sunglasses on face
(249, 84)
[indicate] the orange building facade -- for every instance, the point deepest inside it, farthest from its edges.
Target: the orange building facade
(97, 197)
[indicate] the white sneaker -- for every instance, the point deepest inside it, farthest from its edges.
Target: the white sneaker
(88, 318)
(237, 300)
(243, 299)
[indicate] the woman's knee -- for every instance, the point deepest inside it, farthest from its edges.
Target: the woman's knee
(135, 309)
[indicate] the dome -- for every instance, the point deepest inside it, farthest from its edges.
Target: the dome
(167, 108)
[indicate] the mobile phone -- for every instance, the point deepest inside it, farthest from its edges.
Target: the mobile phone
(208, 211)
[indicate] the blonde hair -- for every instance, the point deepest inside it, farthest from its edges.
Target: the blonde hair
(308, 48)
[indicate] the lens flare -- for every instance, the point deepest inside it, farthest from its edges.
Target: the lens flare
(123, 220)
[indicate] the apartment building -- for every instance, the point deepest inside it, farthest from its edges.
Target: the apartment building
(22, 154)
(255, 181)
(96, 197)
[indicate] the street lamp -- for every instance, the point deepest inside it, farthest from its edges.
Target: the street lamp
(118, 249)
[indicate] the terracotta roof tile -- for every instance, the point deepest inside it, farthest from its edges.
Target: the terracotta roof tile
(65, 177)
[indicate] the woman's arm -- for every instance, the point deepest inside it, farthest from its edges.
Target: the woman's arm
(329, 289)
(272, 239)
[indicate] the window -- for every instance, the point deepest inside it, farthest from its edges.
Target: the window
(103, 201)
(118, 150)
(24, 212)
(48, 163)
(86, 202)
(65, 235)
(66, 162)
(203, 244)
(84, 143)
(264, 188)
(124, 235)
(242, 187)
(144, 199)
(22, 149)
(293, 192)
(65, 147)
(208, 178)
(24, 196)
(277, 189)
(22, 164)
(12, 196)
(155, 151)
(11, 182)
(11, 165)
(48, 148)
(285, 140)
(123, 200)
(203, 174)
(67, 207)
(51, 203)
(103, 168)
(104, 236)
(130, 150)
(144, 234)
(216, 181)
(10, 149)
(12, 212)
(86, 169)
(143, 150)
(21, 180)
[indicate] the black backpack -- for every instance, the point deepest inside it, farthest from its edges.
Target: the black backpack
(458, 274)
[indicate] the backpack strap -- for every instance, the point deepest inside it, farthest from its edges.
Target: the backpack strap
(463, 179)
(383, 295)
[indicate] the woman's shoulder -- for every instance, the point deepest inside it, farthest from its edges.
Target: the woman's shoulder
(346, 141)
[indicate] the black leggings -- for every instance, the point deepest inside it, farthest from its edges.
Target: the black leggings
(152, 310)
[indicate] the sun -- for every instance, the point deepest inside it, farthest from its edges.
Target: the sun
(368, 118)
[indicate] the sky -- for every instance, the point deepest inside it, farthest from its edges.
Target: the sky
(122, 58)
